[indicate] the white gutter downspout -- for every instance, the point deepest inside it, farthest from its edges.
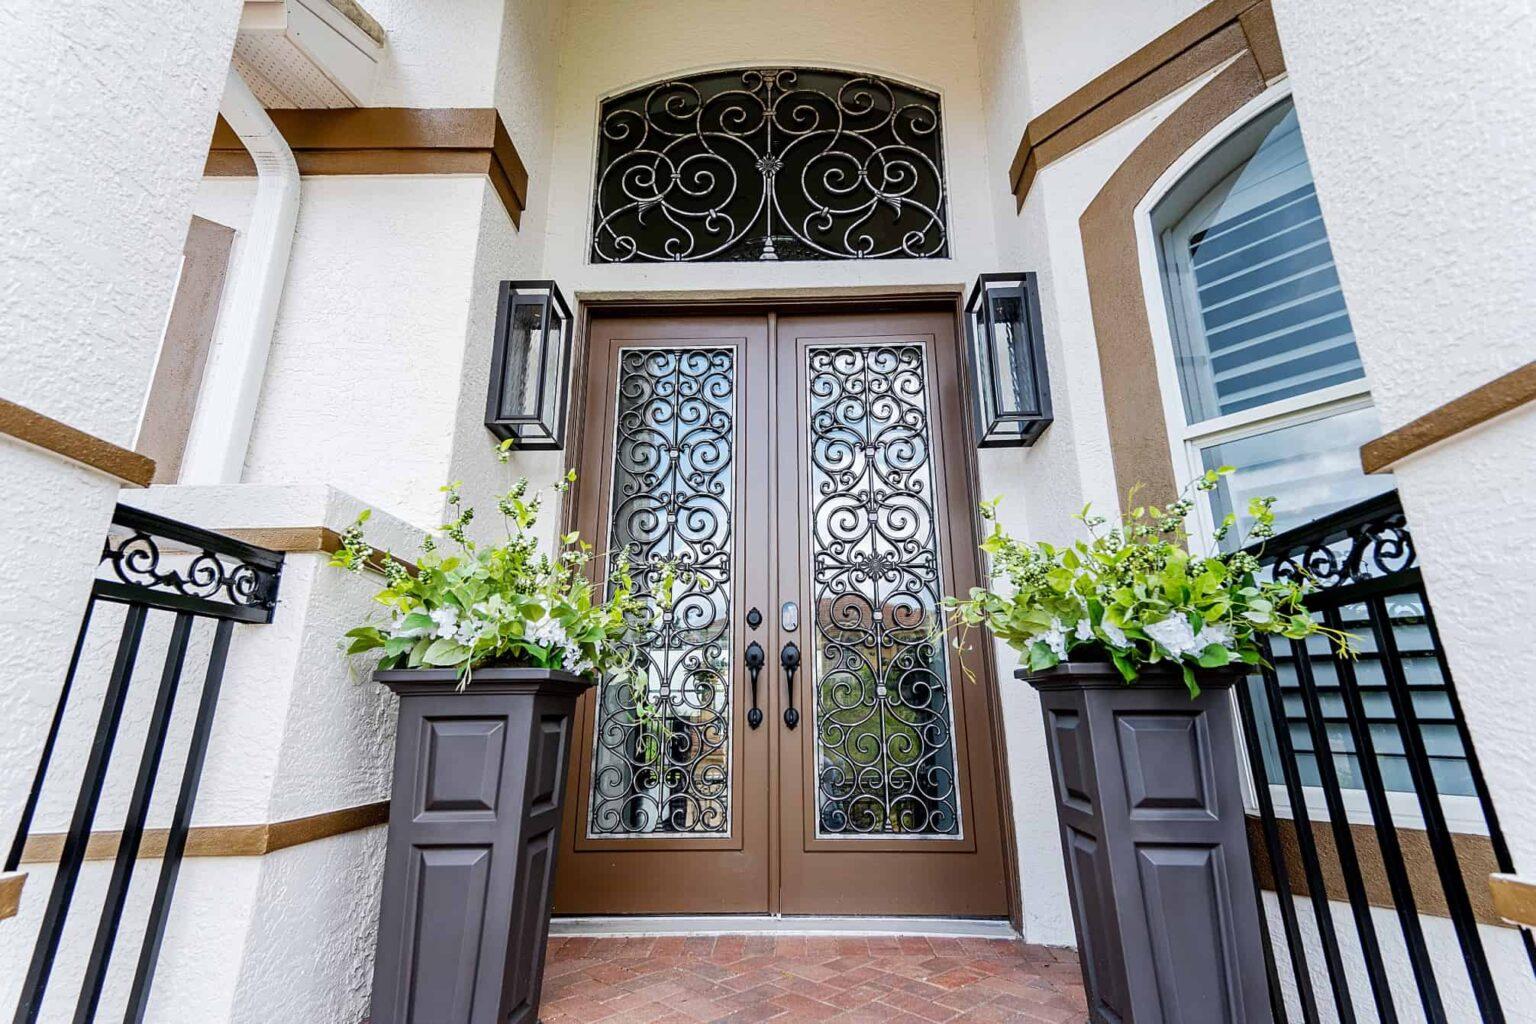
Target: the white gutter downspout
(226, 406)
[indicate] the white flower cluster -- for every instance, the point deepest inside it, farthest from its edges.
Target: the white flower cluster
(1175, 635)
(1056, 637)
(549, 632)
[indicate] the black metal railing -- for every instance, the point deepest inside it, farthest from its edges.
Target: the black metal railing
(1381, 737)
(154, 567)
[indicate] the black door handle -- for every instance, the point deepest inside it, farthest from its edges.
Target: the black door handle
(755, 661)
(789, 659)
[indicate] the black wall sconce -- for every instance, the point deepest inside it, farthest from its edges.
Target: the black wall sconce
(1013, 390)
(530, 366)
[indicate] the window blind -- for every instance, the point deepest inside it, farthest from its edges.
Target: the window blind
(1265, 288)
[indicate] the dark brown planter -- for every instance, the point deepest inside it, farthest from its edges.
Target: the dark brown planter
(1156, 848)
(474, 825)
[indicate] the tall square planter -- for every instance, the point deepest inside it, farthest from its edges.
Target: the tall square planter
(474, 826)
(1156, 848)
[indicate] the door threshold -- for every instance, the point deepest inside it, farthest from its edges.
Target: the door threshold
(753, 924)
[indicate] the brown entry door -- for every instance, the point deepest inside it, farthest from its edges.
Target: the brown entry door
(810, 471)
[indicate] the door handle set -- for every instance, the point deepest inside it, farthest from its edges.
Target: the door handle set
(789, 661)
(755, 661)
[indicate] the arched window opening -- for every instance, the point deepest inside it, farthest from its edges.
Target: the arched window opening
(1269, 377)
(770, 164)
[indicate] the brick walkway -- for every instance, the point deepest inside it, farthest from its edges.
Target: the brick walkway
(764, 978)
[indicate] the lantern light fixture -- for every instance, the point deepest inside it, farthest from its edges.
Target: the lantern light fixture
(530, 366)
(1008, 373)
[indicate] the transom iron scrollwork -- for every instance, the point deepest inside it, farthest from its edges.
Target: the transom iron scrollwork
(1365, 541)
(662, 765)
(883, 718)
(156, 555)
(770, 164)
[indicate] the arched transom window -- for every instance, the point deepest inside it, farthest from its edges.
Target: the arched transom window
(770, 164)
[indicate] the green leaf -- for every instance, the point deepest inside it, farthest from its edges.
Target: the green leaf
(417, 620)
(444, 652)
(1041, 657)
(1215, 656)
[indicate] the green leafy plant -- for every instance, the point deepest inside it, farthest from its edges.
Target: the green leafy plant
(466, 605)
(1133, 593)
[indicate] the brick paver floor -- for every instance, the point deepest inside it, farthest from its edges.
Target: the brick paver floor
(745, 979)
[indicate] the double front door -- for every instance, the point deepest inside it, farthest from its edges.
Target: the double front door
(800, 740)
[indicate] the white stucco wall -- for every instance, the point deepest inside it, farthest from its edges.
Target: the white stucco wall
(1417, 122)
(96, 186)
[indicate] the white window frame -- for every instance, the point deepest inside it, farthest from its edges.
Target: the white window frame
(1186, 441)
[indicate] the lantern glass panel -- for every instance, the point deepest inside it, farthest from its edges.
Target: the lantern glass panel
(555, 346)
(525, 353)
(1010, 356)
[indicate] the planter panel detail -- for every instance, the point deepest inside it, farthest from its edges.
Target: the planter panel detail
(1156, 848)
(473, 829)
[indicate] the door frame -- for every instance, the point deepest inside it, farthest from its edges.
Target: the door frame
(950, 298)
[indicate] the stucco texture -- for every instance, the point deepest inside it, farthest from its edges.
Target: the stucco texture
(105, 110)
(1417, 123)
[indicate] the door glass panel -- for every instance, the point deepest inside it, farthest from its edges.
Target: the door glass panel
(662, 765)
(884, 733)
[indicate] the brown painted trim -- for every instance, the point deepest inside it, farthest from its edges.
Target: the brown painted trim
(307, 539)
(220, 840)
(1514, 899)
(1133, 400)
(1263, 36)
(1476, 407)
(390, 140)
(1474, 854)
(29, 427)
(855, 297)
(10, 893)
(184, 351)
(1201, 42)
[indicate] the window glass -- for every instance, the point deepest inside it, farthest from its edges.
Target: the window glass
(1312, 467)
(1253, 280)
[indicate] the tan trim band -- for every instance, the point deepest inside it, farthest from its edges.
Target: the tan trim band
(1472, 409)
(1201, 42)
(25, 425)
(1514, 899)
(10, 893)
(1133, 399)
(1474, 854)
(390, 140)
(308, 539)
(219, 840)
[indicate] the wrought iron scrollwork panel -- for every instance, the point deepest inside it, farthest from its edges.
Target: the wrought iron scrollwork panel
(165, 563)
(770, 164)
(662, 765)
(884, 722)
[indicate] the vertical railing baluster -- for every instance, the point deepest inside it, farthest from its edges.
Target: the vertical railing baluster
(1463, 918)
(1284, 895)
(73, 856)
(1307, 845)
(1343, 835)
(1501, 854)
(181, 822)
(133, 823)
(29, 809)
(1386, 834)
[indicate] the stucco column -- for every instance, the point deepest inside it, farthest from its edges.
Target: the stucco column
(1417, 123)
(105, 113)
